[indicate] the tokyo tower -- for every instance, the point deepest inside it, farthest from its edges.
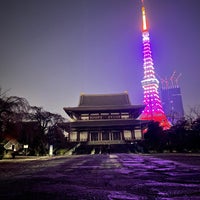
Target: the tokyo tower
(153, 110)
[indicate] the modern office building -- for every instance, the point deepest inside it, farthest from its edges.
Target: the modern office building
(172, 98)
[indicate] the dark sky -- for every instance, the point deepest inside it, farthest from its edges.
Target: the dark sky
(51, 51)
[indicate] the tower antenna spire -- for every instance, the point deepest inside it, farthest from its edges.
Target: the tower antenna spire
(144, 20)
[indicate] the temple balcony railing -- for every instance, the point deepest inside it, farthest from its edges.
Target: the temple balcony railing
(106, 142)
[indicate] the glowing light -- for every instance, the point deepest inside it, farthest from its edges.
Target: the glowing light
(144, 19)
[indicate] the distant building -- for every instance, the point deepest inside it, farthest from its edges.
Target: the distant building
(172, 104)
(172, 98)
(104, 119)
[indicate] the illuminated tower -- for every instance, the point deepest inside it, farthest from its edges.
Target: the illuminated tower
(153, 110)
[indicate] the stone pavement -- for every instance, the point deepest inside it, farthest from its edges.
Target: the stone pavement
(102, 177)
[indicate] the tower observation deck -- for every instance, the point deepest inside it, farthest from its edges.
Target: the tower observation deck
(153, 110)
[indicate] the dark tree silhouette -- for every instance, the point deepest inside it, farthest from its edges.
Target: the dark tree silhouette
(45, 120)
(184, 136)
(28, 125)
(12, 109)
(155, 138)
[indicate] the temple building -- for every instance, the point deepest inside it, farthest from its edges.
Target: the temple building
(105, 119)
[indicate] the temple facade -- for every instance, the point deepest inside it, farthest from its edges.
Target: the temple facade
(104, 119)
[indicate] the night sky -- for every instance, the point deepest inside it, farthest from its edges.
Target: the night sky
(51, 51)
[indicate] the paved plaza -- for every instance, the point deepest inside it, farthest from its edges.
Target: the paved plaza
(102, 177)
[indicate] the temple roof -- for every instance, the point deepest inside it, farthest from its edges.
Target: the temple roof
(104, 103)
(121, 99)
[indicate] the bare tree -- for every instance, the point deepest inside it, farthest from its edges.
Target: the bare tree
(45, 120)
(193, 114)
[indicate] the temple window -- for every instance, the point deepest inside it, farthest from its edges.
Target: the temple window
(73, 136)
(127, 135)
(105, 135)
(138, 134)
(115, 116)
(116, 135)
(83, 136)
(94, 116)
(105, 115)
(84, 117)
(125, 115)
(94, 136)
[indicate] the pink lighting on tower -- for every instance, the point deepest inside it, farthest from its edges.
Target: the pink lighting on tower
(153, 110)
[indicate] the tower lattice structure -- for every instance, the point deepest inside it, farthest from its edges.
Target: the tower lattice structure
(153, 110)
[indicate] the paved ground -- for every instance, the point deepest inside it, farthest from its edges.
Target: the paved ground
(102, 177)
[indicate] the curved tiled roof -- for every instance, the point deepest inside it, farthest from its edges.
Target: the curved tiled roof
(93, 100)
(104, 103)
